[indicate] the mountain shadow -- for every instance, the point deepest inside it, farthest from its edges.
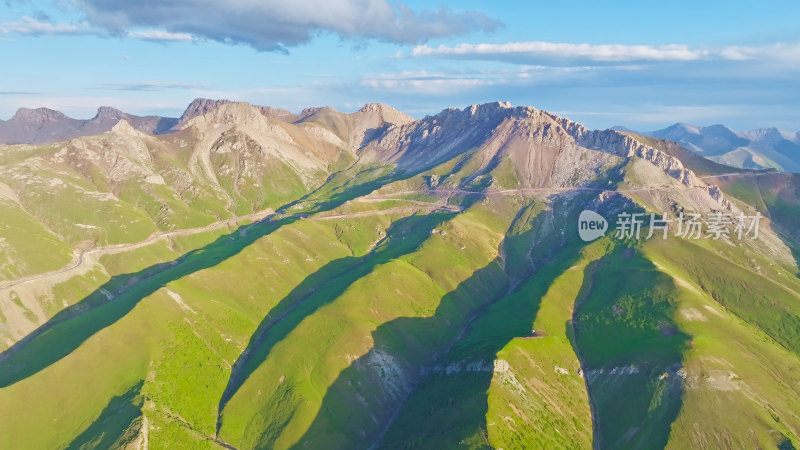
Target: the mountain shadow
(448, 405)
(118, 424)
(367, 395)
(424, 383)
(322, 287)
(630, 348)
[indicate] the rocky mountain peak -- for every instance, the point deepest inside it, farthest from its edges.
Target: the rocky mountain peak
(125, 128)
(763, 134)
(109, 113)
(493, 106)
(719, 130)
(386, 113)
(486, 112)
(222, 112)
(38, 115)
(199, 107)
(310, 111)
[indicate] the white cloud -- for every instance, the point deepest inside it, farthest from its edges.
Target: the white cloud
(427, 82)
(276, 24)
(448, 82)
(779, 52)
(544, 51)
(150, 86)
(160, 35)
(553, 53)
(30, 26)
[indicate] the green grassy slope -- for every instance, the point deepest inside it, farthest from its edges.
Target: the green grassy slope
(28, 247)
(740, 384)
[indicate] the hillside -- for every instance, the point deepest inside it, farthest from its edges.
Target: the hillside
(252, 278)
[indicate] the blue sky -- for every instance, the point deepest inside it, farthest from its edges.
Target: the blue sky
(640, 64)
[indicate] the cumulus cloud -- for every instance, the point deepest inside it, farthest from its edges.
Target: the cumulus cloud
(277, 24)
(34, 27)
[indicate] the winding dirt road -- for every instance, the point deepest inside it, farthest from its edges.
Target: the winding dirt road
(80, 257)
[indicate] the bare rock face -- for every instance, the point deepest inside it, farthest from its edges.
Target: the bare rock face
(526, 147)
(623, 145)
(385, 113)
(221, 112)
(359, 128)
(199, 107)
(435, 139)
(125, 128)
(204, 106)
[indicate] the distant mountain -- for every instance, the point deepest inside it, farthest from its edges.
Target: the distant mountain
(622, 128)
(45, 126)
(754, 149)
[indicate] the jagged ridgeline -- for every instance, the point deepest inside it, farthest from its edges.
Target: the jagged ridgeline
(246, 277)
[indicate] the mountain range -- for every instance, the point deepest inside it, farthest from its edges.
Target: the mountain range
(755, 149)
(766, 148)
(45, 126)
(246, 277)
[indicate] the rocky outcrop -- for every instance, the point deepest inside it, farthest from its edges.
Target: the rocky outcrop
(625, 146)
(356, 129)
(204, 106)
(385, 113)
